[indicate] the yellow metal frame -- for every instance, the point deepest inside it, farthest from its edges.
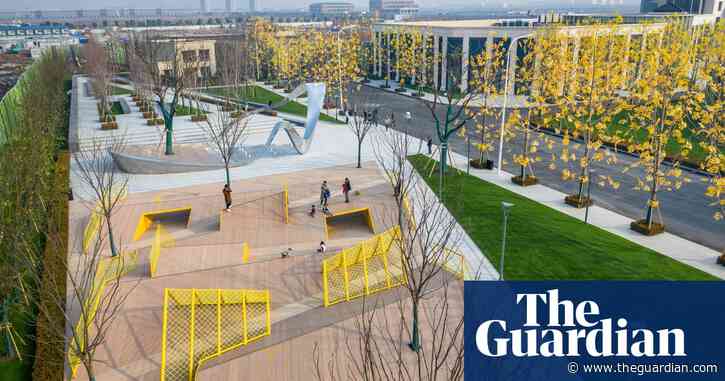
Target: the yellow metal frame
(377, 248)
(92, 229)
(245, 253)
(452, 256)
(233, 297)
(366, 211)
(108, 270)
(146, 220)
(286, 203)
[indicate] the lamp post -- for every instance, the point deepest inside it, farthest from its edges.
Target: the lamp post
(509, 59)
(506, 207)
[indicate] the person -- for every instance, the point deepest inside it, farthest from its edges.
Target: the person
(430, 145)
(324, 193)
(346, 188)
(227, 191)
(322, 248)
(312, 211)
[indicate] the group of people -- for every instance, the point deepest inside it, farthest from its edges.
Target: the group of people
(325, 194)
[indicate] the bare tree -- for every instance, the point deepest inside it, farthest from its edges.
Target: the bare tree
(101, 71)
(362, 117)
(376, 350)
(169, 72)
(106, 185)
(89, 305)
(226, 131)
(454, 100)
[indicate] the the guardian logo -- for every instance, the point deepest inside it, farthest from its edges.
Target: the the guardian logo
(573, 330)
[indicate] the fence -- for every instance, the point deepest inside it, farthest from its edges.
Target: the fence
(199, 325)
(455, 263)
(369, 267)
(108, 270)
(192, 257)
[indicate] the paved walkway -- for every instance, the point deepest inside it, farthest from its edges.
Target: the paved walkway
(675, 247)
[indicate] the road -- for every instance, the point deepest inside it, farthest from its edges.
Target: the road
(685, 212)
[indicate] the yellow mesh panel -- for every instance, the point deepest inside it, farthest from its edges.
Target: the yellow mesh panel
(371, 266)
(202, 324)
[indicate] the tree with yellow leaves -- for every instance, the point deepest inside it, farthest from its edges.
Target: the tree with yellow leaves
(707, 110)
(486, 70)
(411, 47)
(657, 108)
(591, 105)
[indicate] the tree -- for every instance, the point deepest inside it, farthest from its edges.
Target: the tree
(362, 118)
(226, 131)
(100, 69)
(375, 348)
(657, 112)
(705, 111)
(457, 114)
(487, 67)
(168, 74)
(97, 172)
(90, 304)
(592, 108)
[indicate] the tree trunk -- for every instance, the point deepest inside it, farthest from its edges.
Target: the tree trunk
(415, 335)
(442, 165)
(226, 169)
(111, 241)
(359, 154)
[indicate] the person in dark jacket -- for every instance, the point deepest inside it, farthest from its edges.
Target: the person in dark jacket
(227, 191)
(346, 188)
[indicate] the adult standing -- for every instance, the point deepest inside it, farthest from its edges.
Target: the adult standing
(429, 142)
(324, 194)
(346, 188)
(227, 191)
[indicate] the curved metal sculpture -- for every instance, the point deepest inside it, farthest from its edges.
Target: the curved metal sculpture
(315, 98)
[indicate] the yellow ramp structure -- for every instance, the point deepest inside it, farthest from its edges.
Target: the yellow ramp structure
(147, 219)
(369, 267)
(348, 220)
(199, 325)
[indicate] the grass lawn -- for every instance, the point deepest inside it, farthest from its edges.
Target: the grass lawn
(544, 244)
(620, 126)
(187, 110)
(115, 90)
(116, 108)
(264, 96)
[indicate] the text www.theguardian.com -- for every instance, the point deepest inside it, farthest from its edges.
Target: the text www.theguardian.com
(642, 369)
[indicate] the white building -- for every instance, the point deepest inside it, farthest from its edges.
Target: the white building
(331, 9)
(398, 9)
(455, 42)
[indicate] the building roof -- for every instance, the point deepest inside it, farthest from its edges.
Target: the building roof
(486, 23)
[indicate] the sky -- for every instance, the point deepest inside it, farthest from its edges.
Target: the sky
(266, 4)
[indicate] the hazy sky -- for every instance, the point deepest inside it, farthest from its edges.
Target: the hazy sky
(265, 4)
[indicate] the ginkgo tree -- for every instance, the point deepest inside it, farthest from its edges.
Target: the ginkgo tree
(486, 71)
(591, 106)
(707, 111)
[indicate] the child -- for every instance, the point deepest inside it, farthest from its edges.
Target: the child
(312, 211)
(323, 248)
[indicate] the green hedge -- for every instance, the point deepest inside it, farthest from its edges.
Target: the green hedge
(49, 352)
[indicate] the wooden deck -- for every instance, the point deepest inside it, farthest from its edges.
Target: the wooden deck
(207, 254)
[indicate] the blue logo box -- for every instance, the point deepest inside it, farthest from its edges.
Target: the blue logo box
(568, 331)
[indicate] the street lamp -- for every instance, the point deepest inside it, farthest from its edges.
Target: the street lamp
(506, 207)
(509, 59)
